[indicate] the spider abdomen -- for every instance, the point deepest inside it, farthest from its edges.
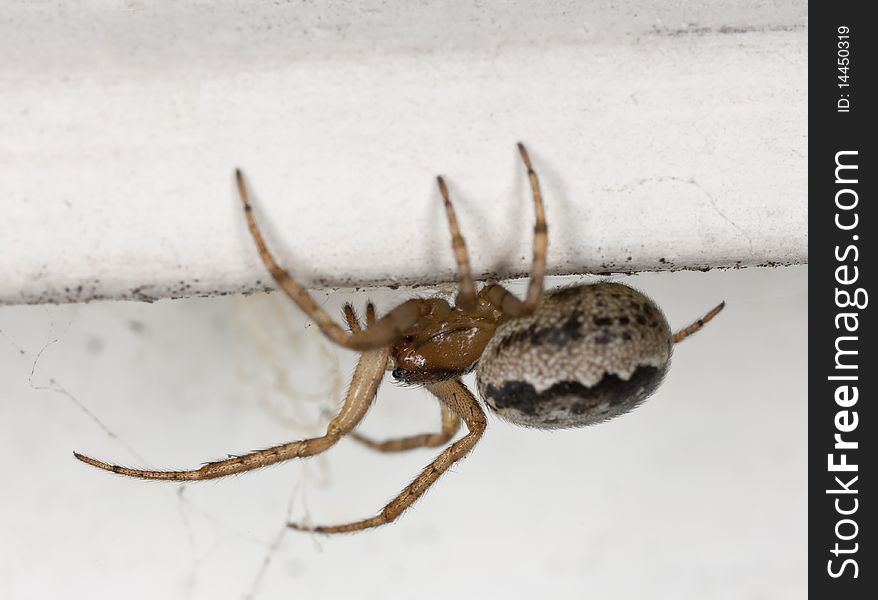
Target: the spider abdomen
(588, 353)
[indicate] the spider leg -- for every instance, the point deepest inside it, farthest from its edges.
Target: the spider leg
(383, 332)
(466, 294)
(364, 385)
(500, 297)
(690, 329)
(350, 317)
(450, 426)
(450, 420)
(460, 400)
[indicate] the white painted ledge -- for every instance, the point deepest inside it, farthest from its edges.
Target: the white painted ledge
(666, 137)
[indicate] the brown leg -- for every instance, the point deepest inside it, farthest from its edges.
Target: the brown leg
(450, 425)
(690, 329)
(460, 400)
(450, 420)
(350, 317)
(383, 332)
(499, 296)
(364, 385)
(466, 294)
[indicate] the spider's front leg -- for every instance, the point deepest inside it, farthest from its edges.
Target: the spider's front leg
(497, 295)
(500, 297)
(380, 333)
(466, 293)
(459, 399)
(364, 385)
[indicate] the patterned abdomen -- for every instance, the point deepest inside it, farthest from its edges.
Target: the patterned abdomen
(587, 354)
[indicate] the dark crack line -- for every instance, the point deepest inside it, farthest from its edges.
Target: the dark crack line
(690, 181)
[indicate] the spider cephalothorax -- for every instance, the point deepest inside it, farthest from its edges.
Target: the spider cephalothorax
(446, 345)
(574, 356)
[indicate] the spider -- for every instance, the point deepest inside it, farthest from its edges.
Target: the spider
(571, 357)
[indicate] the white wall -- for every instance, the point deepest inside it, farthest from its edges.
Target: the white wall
(667, 134)
(699, 493)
